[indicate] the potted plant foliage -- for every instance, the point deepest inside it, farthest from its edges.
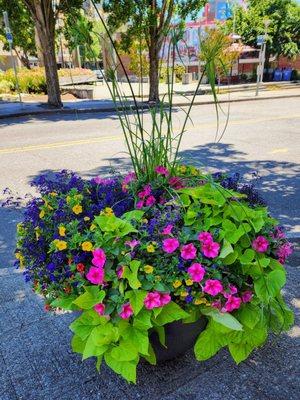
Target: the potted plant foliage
(159, 260)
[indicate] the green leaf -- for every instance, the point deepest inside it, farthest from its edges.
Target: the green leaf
(90, 298)
(92, 350)
(249, 315)
(247, 256)
(135, 215)
(64, 303)
(131, 272)
(104, 334)
(225, 319)
(127, 369)
(143, 320)
(230, 259)
(126, 351)
(83, 325)
(115, 225)
(77, 344)
(136, 299)
(170, 312)
(268, 286)
(139, 338)
(99, 362)
(206, 346)
(151, 357)
(226, 249)
(240, 351)
(160, 330)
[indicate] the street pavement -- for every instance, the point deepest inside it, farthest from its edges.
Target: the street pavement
(36, 362)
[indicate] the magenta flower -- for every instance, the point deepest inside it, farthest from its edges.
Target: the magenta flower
(99, 258)
(284, 251)
(210, 249)
(126, 311)
(213, 287)
(232, 303)
(120, 272)
(150, 201)
(188, 251)
(260, 244)
(176, 182)
(196, 272)
(170, 245)
(145, 192)
(160, 170)
(132, 243)
(130, 177)
(152, 300)
(140, 204)
(95, 275)
(217, 304)
(167, 230)
(247, 296)
(99, 308)
(204, 237)
(278, 233)
(165, 298)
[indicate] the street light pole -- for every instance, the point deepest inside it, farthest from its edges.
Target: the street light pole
(262, 56)
(9, 38)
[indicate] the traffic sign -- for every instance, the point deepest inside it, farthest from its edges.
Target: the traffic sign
(9, 37)
(260, 40)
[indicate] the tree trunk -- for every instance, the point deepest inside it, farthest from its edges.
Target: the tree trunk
(44, 20)
(153, 71)
(39, 49)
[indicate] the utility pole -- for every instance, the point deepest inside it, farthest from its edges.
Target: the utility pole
(262, 39)
(9, 38)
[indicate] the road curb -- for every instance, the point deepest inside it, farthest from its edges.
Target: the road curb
(140, 106)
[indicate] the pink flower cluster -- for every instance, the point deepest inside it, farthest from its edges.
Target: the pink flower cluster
(196, 272)
(176, 182)
(283, 252)
(156, 299)
(146, 198)
(209, 248)
(126, 311)
(96, 272)
(260, 244)
(127, 179)
(161, 170)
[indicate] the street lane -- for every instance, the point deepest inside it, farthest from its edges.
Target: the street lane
(261, 136)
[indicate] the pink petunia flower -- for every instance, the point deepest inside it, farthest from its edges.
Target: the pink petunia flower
(217, 304)
(152, 300)
(150, 201)
(232, 303)
(126, 311)
(167, 230)
(132, 243)
(176, 182)
(247, 296)
(120, 272)
(99, 308)
(145, 192)
(278, 233)
(284, 251)
(213, 287)
(99, 258)
(204, 237)
(210, 249)
(196, 272)
(165, 298)
(188, 251)
(140, 204)
(160, 170)
(95, 275)
(260, 244)
(170, 245)
(130, 177)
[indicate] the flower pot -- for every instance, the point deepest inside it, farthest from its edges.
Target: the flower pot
(180, 338)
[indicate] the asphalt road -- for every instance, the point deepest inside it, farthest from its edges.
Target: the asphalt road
(36, 362)
(261, 136)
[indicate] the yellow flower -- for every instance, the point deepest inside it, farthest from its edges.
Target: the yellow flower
(62, 231)
(53, 194)
(145, 220)
(202, 300)
(182, 169)
(86, 246)
(108, 211)
(92, 227)
(77, 209)
(42, 214)
(183, 294)
(69, 198)
(194, 171)
(150, 248)
(148, 269)
(189, 282)
(176, 284)
(61, 244)
(18, 255)
(37, 234)
(158, 278)
(86, 219)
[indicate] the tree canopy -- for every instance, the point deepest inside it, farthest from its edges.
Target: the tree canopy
(283, 29)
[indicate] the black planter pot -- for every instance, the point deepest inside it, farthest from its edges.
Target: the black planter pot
(179, 339)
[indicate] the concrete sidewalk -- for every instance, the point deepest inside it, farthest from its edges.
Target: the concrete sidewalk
(16, 109)
(36, 362)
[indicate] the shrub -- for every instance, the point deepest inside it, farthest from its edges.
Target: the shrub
(5, 86)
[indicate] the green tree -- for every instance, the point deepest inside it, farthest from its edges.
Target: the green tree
(150, 20)
(22, 28)
(44, 14)
(283, 29)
